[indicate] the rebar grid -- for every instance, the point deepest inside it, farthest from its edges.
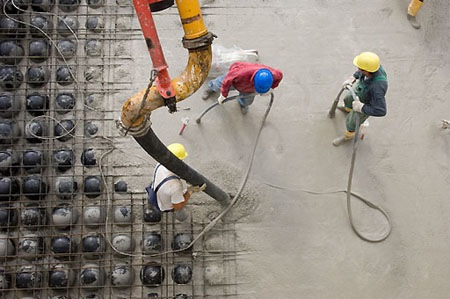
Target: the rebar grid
(57, 182)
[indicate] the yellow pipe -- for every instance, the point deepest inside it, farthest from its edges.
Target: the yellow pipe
(191, 18)
(189, 81)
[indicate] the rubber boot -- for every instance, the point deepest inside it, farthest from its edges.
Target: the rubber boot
(340, 140)
(206, 94)
(413, 7)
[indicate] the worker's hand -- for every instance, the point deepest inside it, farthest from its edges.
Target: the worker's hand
(193, 189)
(349, 81)
(357, 105)
(220, 99)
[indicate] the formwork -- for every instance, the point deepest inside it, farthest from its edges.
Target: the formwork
(70, 225)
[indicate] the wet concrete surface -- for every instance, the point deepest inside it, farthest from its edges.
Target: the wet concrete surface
(294, 244)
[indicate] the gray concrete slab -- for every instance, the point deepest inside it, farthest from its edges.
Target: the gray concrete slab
(294, 244)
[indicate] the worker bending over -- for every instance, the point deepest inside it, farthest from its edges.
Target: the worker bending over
(172, 194)
(247, 78)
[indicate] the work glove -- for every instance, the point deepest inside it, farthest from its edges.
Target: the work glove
(193, 189)
(349, 81)
(220, 99)
(357, 105)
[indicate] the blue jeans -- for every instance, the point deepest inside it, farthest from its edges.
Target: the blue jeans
(245, 99)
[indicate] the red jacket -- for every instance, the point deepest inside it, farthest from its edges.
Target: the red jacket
(240, 76)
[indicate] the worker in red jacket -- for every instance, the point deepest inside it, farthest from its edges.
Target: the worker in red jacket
(247, 78)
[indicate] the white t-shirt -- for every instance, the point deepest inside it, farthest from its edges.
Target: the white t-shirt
(171, 192)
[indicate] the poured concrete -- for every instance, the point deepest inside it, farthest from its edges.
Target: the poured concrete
(294, 244)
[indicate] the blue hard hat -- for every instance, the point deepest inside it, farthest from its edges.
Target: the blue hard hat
(263, 81)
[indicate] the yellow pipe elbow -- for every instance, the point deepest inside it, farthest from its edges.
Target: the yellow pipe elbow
(134, 112)
(195, 73)
(190, 80)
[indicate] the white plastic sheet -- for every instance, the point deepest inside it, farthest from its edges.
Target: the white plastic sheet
(224, 57)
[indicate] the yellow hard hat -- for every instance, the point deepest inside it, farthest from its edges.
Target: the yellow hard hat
(178, 150)
(367, 61)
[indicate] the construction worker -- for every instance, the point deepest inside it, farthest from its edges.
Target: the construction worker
(172, 195)
(247, 78)
(370, 85)
(413, 8)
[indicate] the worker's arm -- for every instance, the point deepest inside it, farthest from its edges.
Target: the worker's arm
(187, 196)
(226, 85)
(178, 206)
(236, 70)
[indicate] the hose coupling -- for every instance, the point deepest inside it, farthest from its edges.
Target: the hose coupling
(202, 41)
(137, 131)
